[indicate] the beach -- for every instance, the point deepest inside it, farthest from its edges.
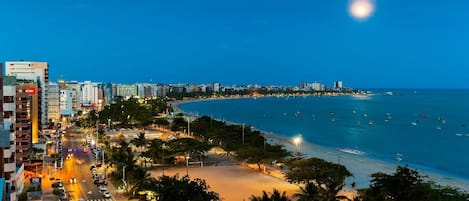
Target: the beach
(362, 165)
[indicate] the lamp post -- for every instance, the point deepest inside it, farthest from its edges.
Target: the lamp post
(123, 175)
(243, 133)
(187, 164)
(163, 147)
(297, 141)
(97, 134)
(104, 166)
(188, 126)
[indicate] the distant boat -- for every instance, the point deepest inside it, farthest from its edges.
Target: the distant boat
(370, 122)
(365, 115)
(389, 93)
(438, 128)
(351, 151)
(413, 123)
(354, 112)
(458, 134)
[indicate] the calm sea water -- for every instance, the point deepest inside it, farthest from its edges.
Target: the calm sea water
(429, 128)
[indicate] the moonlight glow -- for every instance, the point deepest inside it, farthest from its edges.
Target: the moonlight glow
(361, 9)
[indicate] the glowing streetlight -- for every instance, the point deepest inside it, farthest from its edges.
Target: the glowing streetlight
(297, 141)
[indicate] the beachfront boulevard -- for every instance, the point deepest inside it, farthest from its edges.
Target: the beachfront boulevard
(75, 174)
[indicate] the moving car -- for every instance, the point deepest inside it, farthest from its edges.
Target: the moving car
(107, 194)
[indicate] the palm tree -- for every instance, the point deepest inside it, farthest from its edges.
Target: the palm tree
(308, 193)
(140, 141)
(155, 150)
(274, 196)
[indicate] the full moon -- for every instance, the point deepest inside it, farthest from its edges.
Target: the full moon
(361, 9)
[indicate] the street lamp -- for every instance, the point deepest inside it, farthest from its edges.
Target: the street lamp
(243, 133)
(187, 164)
(123, 174)
(297, 141)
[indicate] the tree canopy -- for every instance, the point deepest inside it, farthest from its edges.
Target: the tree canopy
(327, 177)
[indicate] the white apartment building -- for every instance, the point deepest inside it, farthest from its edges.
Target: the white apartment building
(7, 140)
(53, 102)
(66, 102)
(216, 87)
(126, 91)
(76, 101)
(29, 70)
(90, 94)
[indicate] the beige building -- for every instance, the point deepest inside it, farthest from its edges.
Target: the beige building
(28, 70)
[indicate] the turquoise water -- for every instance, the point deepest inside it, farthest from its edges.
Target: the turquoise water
(429, 128)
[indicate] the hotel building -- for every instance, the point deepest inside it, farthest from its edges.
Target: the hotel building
(27, 70)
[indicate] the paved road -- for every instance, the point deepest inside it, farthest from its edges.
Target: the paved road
(78, 166)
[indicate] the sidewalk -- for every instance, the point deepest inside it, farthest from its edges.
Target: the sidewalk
(113, 190)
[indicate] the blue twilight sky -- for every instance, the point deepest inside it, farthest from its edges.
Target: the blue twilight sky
(405, 43)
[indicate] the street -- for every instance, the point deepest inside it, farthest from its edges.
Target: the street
(78, 166)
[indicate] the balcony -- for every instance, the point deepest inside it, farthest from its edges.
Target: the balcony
(7, 152)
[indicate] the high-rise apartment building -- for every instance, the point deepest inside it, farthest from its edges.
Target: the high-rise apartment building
(66, 102)
(216, 87)
(7, 137)
(8, 164)
(27, 103)
(90, 94)
(338, 85)
(53, 102)
(76, 101)
(27, 70)
(126, 91)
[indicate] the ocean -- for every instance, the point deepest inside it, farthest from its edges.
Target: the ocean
(426, 129)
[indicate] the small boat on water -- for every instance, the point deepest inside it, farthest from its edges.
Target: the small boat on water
(438, 128)
(458, 134)
(389, 93)
(351, 151)
(413, 123)
(370, 123)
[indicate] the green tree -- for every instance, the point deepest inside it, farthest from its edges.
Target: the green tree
(327, 177)
(274, 196)
(308, 193)
(155, 150)
(407, 184)
(140, 141)
(183, 189)
(178, 124)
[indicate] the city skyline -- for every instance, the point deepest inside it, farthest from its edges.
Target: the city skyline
(419, 45)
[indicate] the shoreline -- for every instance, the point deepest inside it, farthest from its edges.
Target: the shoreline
(362, 166)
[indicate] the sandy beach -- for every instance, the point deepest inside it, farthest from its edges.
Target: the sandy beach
(234, 182)
(361, 166)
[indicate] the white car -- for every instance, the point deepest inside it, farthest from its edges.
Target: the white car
(102, 188)
(107, 194)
